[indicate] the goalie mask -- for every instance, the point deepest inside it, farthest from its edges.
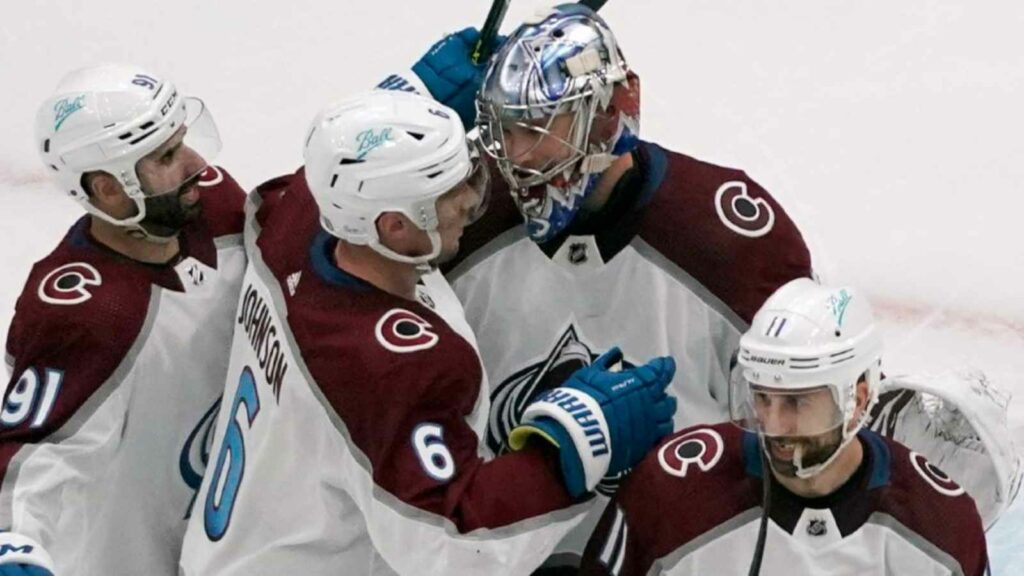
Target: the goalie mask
(390, 151)
(135, 126)
(799, 367)
(561, 77)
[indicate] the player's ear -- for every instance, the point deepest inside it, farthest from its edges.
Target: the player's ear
(393, 229)
(390, 224)
(102, 188)
(862, 394)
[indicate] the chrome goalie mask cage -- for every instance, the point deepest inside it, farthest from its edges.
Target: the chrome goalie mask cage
(566, 64)
(798, 370)
(108, 118)
(389, 151)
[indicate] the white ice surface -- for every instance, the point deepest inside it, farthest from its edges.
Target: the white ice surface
(893, 130)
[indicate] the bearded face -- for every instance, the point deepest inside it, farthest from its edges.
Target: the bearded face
(787, 454)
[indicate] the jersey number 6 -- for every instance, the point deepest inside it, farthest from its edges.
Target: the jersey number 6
(434, 456)
(220, 500)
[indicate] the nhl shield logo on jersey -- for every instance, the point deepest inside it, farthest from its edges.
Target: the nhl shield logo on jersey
(702, 447)
(741, 212)
(578, 253)
(68, 284)
(817, 527)
(932, 475)
(402, 331)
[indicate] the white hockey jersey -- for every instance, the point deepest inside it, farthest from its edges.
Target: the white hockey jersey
(693, 507)
(117, 368)
(350, 442)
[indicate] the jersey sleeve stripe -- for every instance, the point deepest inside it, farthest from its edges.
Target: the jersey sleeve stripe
(615, 545)
(937, 554)
(621, 552)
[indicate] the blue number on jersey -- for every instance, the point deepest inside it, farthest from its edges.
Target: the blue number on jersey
(221, 501)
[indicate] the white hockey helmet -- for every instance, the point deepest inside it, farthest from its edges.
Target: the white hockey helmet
(388, 151)
(805, 339)
(108, 117)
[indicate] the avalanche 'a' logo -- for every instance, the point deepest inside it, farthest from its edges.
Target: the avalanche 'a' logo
(195, 454)
(741, 212)
(702, 448)
(402, 331)
(510, 398)
(69, 284)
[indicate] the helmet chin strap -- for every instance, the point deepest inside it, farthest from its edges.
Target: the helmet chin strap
(132, 225)
(848, 436)
(135, 225)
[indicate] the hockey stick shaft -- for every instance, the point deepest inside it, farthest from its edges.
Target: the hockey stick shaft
(485, 45)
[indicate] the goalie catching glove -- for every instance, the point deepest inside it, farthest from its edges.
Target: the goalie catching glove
(957, 420)
(601, 421)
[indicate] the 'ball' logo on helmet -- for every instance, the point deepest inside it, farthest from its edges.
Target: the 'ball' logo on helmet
(402, 331)
(68, 284)
(932, 475)
(64, 108)
(703, 448)
(370, 139)
(741, 212)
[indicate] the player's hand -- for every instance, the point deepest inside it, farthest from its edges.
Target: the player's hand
(450, 75)
(603, 422)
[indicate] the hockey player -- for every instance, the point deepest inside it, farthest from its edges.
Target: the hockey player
(633, 243)
(840, 499)
(118, 347)
(356, 401)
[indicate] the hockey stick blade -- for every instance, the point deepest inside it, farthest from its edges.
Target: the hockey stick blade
(484, 46)
(594, 5)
